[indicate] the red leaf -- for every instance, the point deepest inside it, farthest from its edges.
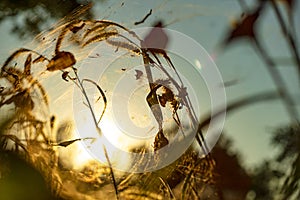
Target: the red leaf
(246, 27)
(156, 39)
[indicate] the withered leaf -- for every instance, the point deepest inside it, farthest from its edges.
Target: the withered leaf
(152, 96)
(67, 143)
(65, 75)
(162, 101)
(167, 96)
(246, 27)
(160, 141)
(138, 74)
(61, 60)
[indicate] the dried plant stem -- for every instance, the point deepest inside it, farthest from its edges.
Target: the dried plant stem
(85, 96)
(261, 97)
(199, 136)
(98, 130)
(278, 81)
(169, 190)
(288, 34)
(103, 97)
(157, 111)
(111, 173)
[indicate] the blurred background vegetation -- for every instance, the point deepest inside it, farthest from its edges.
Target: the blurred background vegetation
(30, 17)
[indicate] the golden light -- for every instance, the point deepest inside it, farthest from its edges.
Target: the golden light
(108, 136)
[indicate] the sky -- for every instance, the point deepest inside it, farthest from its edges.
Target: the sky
(206, 22)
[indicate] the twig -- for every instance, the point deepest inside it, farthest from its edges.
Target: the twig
(166, 185)
(112, 173)
(246, 101)
(102, 94)
(69, 142)
(287, 33)
(199, 136)
(278, 81)
(98, 129)
(86, 97)
(144, 19)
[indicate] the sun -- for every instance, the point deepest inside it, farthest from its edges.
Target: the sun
(107, 137)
